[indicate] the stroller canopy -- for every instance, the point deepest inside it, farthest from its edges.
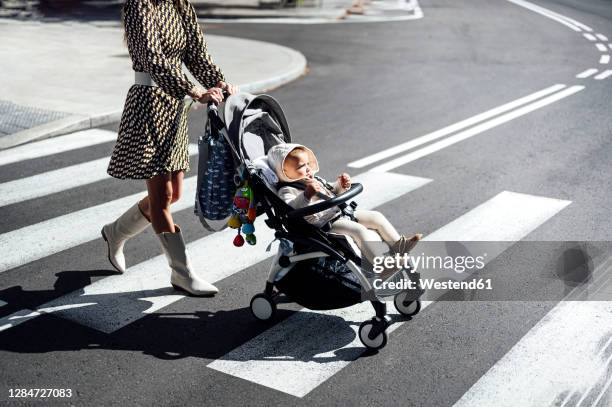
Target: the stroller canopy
(255, 123)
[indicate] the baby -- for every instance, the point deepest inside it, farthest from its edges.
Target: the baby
(296, 163)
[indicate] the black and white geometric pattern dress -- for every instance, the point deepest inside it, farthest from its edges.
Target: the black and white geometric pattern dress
(153, 129)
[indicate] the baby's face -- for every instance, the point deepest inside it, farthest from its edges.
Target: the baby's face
(297, 166)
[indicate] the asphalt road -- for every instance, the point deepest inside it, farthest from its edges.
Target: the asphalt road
(370, 87)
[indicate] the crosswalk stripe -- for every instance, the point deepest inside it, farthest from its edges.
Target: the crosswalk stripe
(301, 352)
(62, 179)
(563, 352)
(51, 236)
(116, 301)
(80, 139)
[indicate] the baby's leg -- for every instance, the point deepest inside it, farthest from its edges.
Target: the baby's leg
(367, 240)
(377, 221)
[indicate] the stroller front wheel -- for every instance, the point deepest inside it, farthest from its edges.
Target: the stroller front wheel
(375, 343)
(263, 307)
(405, 306)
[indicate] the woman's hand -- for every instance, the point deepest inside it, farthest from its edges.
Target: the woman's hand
(344, 180)
(227, 87)
(214, 95)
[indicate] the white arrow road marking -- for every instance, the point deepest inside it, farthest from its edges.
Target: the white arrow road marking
(116, 301)
(80, 139)
(471, 132)
(563, 352)
(59, 180)
(371, 159)
(587, 73)
(298, 354)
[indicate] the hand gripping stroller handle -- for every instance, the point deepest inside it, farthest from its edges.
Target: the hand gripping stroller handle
(355, 190)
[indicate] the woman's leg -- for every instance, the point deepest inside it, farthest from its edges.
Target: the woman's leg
(164, 191)
(177, 192)
(377, 221)
(158, 203)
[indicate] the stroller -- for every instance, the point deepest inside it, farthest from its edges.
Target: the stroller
(315, 268)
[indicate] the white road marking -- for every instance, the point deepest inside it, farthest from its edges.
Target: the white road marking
(589, 37)
(116, 301)
(586, 73)
(432, 148)
(601, 37)
(2, 303)
(604, 59)
(454, 127)
(566, 21)
(604, 75)
(80, 139)
(298, 354)
(601, 47)
(540, 367)
(42, 239)
(59, 180)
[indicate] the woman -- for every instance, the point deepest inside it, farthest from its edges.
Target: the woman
(152, 141)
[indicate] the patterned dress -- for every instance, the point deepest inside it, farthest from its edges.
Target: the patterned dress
(153, 129)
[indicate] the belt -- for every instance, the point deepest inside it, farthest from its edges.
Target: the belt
(143, 78)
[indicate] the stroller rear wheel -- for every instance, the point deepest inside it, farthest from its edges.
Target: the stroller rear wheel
(263, 307)
(405, 306)
(377, 342)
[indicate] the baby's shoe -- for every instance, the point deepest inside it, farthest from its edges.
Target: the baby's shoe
(405, 244)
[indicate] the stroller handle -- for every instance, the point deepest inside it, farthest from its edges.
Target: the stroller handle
(355, 190)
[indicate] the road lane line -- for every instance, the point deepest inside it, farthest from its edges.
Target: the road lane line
(33, 242)
(80, 139)
(116, 301)
(601, 47)
(604, 75)
(601, 37)
(464, 135)
(306, 349)
(566, 21)
(589, 37)
(363, 162)
(576, 325)
(62, 179)
(587, 73)
(604, 59)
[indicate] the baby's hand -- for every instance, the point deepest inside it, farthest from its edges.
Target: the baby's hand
(344, 180)
(312, 187)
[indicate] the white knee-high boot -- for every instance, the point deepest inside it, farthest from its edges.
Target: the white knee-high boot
(128, 225)
(183, 277)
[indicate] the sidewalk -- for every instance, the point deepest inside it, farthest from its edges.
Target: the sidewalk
(62, 77)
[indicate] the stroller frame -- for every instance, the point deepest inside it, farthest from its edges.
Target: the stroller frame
(289, 223)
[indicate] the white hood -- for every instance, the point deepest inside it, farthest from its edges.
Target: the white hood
(277, 155)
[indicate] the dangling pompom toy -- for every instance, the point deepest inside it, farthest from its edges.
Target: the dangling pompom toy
(243, 215)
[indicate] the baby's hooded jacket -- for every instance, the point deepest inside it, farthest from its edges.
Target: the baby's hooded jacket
(294, 196)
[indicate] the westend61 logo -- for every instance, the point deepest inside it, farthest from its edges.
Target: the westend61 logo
(417, 273)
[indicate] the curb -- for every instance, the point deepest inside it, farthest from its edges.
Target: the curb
(74, 123)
